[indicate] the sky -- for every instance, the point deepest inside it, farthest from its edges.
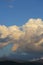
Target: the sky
(17, 12)
(17, 19)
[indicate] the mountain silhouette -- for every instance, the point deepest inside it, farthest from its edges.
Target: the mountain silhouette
(37, 62)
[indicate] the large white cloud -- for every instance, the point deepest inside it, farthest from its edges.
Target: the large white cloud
(26, 38)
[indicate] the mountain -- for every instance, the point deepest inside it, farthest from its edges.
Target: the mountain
(37, 62)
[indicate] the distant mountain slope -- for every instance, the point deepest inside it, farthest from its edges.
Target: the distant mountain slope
(38, 62)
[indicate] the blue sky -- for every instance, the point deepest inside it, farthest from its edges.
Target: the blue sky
(17, 12)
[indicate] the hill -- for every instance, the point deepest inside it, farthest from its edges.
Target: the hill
(38, 62)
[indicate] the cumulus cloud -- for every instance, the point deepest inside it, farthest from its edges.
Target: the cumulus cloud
(15, 47)
(26, 38)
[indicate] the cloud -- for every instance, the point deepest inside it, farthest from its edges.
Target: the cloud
(10, 6)
(3, 31)
(27, 38)
(15, 47)
(10, 2)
